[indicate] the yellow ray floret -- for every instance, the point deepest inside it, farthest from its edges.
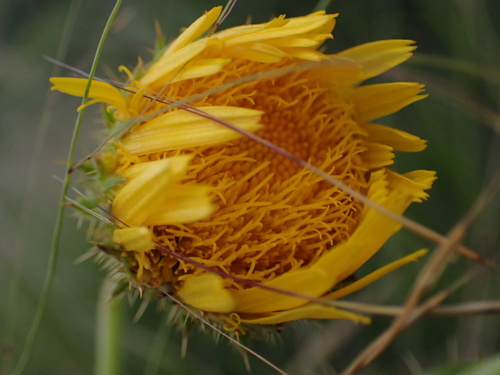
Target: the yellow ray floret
(398, 140)
(181, 129)
(196, 29)
(380, 56)
(100, 92)
(310, 311)
(379, 100)
(374, 276)
(183, 204)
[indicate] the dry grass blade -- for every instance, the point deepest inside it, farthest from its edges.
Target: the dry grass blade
(466, 308)
(427, 276)
(469, 308)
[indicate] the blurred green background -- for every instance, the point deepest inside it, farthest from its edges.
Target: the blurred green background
(458, 59)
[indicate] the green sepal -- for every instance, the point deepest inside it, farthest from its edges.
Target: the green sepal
(107, 183)
(108, 117)
(88, 167)
(120, 288)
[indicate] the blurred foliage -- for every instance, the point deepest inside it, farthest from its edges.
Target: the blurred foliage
(458, 61)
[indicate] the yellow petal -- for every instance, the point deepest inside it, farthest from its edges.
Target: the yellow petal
(182, 129)
(300, 42)
(207, 293)
(184, 204)
(413, 183)
(374, 276)
(374, 228)
(397, 139)
(170, 65)
(270, 42)
(200, 68)
(308, 282)
(134, 239)
(319, 23)
(380, 56)
(305, 54)
(99, 91)
(176, 169)
(261, 52)
(374, 101)
(377, 155)
(195, 30)
(310, 311)
(141, 195)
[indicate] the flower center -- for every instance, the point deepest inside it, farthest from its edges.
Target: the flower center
(273, 217)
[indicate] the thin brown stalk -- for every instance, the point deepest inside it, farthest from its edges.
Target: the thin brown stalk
(466, 308)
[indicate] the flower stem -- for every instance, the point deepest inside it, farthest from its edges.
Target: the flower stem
(108, 331)
(159, 347)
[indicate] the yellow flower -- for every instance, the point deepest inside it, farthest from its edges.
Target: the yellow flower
(228, 222)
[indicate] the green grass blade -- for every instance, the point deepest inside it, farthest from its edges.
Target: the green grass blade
(56, 237)
(28, 203)
(108, 331)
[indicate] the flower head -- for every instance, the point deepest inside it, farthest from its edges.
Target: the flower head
(227, 222)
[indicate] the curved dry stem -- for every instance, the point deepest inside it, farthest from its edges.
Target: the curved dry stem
(466, 308)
